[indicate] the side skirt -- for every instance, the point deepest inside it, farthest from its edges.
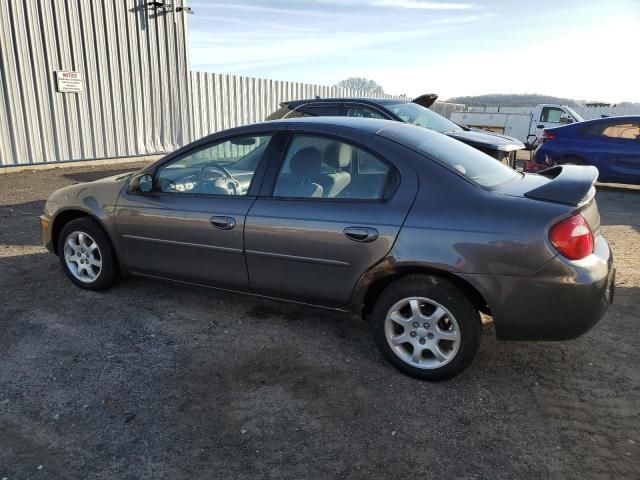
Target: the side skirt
(156, 277)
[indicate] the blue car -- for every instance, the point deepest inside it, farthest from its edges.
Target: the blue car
(610, 144)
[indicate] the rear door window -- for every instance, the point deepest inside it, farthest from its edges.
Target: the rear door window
(629, 131)
(319, 167)
(622, 130)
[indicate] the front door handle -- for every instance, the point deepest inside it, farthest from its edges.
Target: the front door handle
(361, 234)
(223, 223)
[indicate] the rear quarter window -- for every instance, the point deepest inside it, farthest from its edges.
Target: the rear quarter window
(627, 130)
(280, 113)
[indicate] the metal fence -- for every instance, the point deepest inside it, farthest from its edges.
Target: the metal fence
(589, 113)
(221, 101)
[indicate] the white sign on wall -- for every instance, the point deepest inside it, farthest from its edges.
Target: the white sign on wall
(69, 82)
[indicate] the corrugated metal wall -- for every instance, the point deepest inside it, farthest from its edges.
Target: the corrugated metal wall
(135, 67)
(224, 101)
(445, 108)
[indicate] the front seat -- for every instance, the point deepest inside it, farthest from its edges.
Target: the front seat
(338, 156)
(300, 183)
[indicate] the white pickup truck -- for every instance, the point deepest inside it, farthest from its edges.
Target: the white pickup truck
(525, 124)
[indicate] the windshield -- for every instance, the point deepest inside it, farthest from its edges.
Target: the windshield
(467, 161)
(575, 114)
(422, 117)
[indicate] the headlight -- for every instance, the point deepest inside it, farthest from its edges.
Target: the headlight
(50, 207)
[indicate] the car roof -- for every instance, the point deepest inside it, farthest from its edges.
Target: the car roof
(371, 125)
(366, 100)
(622, 118)
(577, 126)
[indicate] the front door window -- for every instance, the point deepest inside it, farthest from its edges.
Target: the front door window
(551, 115)
(224, 168)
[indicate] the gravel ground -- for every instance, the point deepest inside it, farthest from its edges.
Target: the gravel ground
(156, 380)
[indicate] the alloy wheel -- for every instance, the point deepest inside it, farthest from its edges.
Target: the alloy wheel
(82, 256)
(422, 332)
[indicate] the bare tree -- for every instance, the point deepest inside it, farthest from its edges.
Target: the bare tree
(362, 84)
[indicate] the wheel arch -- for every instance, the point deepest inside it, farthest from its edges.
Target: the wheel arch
(374, 282)
(66, 216)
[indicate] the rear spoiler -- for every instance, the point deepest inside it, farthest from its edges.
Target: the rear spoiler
(570, 184)
(425, 100)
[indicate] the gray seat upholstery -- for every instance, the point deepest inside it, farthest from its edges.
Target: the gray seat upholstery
(338, 156)
(300, 183)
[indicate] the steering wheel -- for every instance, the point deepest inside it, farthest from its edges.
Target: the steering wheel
(223, 180)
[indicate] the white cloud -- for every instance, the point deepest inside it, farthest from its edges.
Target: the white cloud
(276, 10)
(401, 4)
(581, 66)
(305, 10)
(260, 49)
(420, 5)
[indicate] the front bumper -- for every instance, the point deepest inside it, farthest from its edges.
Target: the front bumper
(45, 227)
(561, 301)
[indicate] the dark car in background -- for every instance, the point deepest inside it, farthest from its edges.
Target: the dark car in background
(415, 112)
(612, 145)
(412, 230)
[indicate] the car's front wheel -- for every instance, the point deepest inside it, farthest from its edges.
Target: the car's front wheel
(86, 254)
(426, 327)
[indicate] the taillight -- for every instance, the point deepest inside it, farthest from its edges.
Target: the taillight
(546, 136)
(572, 237)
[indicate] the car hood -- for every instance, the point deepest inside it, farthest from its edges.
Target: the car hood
(97, 197)
(485, 139)
(119, 178)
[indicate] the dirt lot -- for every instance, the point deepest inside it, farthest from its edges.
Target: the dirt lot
(156, 380)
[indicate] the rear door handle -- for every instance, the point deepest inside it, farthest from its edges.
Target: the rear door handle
(361, 234)
(223, 223)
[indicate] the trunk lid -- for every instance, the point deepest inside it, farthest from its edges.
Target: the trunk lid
(425, 100)
(484, 139)
(569, 185)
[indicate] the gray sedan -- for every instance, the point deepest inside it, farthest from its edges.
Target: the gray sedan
(414, 231)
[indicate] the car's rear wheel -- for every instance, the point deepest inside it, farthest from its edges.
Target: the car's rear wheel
(426, 327)
(86, 254)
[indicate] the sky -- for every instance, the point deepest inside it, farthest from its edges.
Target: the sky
(581, 49)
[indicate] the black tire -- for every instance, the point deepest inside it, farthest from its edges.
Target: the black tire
(445, 293)
(108, 271)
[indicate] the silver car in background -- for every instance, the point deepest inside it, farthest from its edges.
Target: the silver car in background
(411, 229)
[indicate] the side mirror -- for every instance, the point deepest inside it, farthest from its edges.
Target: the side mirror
(566, 119)
(141, 184)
